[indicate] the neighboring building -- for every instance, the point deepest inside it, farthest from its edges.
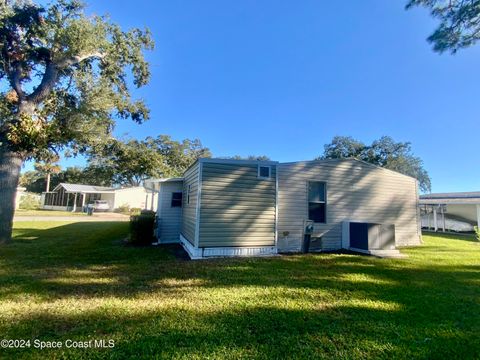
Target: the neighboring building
(458, 211)
(18, 197)
(74, 197)
(241, 207)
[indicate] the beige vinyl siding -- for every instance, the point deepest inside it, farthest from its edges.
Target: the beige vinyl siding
(169, 218)
(237, 208)
(356, 191)
(189, 210)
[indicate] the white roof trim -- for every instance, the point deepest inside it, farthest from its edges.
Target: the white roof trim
(234, 161)
(164, 180)
(444, 201)
(81, 188)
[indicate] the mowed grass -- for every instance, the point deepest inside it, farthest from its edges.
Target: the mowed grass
(78, 281)
(40, 212)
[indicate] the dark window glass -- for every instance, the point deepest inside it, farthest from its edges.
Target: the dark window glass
(316, 212)
(188, 194)
(317, 201)
(264, 171)
(177, 199)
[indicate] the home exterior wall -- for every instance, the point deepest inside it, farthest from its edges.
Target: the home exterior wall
(356, 191)
(189, 208)
(169, 219)
(237, 208)
(134, 197)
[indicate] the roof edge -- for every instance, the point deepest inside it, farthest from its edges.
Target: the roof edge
(348, 159)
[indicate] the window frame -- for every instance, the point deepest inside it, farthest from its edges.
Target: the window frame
(269, 172)
(172, 199)
(325, 193)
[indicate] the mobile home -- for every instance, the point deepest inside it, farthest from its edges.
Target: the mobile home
(246, 208)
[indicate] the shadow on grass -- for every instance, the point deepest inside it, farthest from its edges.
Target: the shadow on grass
(79, 281)
(453, 236)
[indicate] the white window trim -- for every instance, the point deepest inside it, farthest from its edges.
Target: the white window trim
(269, 172)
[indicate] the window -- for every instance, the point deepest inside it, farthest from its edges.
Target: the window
(188, 193)
(264, 172)
(177, 199)
(317, 201)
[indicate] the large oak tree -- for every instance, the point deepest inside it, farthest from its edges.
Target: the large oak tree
(64, 79)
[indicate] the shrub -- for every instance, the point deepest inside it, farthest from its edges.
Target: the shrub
(123, 209)
(29, 202)
(135, 211)
(142, 227)
(477, 232)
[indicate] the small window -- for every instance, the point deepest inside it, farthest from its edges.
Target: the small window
(264, 172)
(177, 199)
(188, 193)
(317, 201)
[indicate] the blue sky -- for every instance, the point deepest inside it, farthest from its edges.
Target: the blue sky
(281, 78)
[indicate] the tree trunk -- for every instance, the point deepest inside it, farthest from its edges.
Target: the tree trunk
(10, 165)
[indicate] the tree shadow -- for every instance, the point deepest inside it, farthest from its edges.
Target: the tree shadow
(79, 281)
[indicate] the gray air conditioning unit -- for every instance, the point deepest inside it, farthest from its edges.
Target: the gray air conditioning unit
(369, 236)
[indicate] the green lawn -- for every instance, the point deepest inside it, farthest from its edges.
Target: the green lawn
(78, 281)
(20, 212)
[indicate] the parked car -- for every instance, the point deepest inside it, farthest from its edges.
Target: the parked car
(99, 205)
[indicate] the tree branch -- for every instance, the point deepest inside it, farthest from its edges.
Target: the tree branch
(14, 77)
(52, 70)
(49, 79)
(78, 59)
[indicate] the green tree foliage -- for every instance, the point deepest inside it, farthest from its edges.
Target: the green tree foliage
(47, 168)
(35, 182)
(64, 80)
(459, 23)
(126, 163)
(133, 161)
(384, 152)
(76, 66)
(177, 155)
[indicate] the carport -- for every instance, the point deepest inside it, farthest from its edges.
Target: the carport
(464, 205)
(75, 196)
